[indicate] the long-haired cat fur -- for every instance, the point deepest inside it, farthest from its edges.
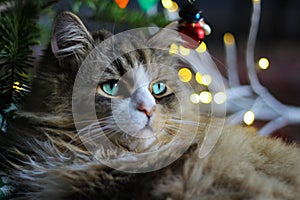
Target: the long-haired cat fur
(45, 158)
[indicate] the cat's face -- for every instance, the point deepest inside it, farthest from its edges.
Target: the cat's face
(137, 96)
(140, 99)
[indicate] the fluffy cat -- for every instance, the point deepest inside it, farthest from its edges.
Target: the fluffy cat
(141, 106)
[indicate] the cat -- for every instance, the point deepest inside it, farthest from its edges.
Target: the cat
(143, 138)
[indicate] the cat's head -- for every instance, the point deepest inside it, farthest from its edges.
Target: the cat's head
(128, 81)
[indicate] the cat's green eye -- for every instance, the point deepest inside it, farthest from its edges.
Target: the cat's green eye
(159, 88)
(111, 87)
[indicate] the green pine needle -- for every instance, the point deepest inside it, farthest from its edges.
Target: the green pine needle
(18, 33)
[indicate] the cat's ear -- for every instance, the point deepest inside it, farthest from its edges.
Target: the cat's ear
(166, 36)
(70, 36)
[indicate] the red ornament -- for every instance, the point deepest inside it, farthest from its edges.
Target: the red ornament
(192, 34)
(192, 26)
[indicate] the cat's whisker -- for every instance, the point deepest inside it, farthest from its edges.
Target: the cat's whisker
(103, 123)
(95, 138)
(86, 121)
(92, 138)
(93, 120)
(93, 128)
(185, 122)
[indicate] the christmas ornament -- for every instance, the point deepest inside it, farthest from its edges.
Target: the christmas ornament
(192, 26)
(147, 5)
(122, 3)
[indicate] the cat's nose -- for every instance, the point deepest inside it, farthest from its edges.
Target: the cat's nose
(147, 109)
(144, 101)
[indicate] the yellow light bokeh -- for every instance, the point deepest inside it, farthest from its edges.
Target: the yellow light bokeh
(184, 51)
(205, 97)
(206, 79)
(174, 7)
(185, 75)
(195, 99)
(228, 39)
(198, 77)
(173, 49)
(201, 48)
(263, 63)
(167, 3)
(256, 1)
(220, 98)
(17, 88)
(249, 117)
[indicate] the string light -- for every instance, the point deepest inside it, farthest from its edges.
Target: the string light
(174, 7)
(228, 39)
(263, 63)
(206, 80)
(173, 49)
(184, 51)
(198, 77)
(195, 99)
(249, 117)
(167, 3)
(185, 75)
(220, 98)
(201, 48)
(205, 97)
(17, 88)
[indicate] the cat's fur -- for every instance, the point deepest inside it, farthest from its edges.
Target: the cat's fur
(45, 158)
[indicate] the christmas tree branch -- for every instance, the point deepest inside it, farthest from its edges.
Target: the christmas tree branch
(18, 33)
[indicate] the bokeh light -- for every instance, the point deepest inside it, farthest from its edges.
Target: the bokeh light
(263, 63)
(184, 51)
(167, 3)
(206, 79)
(173, 49)
(185, 75)
(17, 87)
(174, 7)
(205, 97)
(195, 99)
(198, 77)
(220, 98)
(249, 117)
(201, 48)
(228, 39)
